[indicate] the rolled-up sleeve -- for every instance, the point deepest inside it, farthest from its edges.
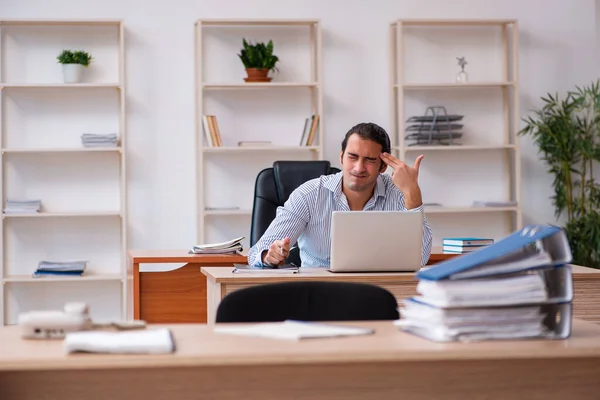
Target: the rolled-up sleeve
(290, 221)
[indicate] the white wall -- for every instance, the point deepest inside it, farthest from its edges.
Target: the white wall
(557, 51)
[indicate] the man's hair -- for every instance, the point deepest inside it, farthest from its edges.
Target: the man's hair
(369, 131)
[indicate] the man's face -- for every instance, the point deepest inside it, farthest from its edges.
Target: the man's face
(361, 163)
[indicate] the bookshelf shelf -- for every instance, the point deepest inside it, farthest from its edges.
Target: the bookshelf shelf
(475, 147)
(227, 212)
(259, 22)
(63, 150)
(83, 188)
(64, 215)
(65, 22)
(423, 69)
(84, 278)
(259, 85)
(282, 105)
(468, 85)
(60, 85)
(244, 149)
(468, 210)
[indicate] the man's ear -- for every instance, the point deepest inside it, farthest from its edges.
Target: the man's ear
(341, 157)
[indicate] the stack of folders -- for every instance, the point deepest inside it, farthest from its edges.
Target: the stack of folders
(60, 268)
(520, 287)
(461, 245)
(230, 247)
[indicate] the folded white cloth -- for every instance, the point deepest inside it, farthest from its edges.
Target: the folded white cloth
(148, 341)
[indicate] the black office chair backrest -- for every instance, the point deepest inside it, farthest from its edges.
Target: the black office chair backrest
(274, 185)
(308, 301)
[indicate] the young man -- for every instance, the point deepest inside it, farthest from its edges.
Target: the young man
(361, 185)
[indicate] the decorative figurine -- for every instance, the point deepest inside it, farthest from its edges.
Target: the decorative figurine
(462, 76)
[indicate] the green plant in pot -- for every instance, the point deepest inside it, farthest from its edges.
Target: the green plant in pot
(73, 64)
(567, 134)
(258, 59)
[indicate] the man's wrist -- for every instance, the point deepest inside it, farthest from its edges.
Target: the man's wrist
(412, 197)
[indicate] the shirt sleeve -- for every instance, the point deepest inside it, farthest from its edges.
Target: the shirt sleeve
(427, 235)
(290, 221)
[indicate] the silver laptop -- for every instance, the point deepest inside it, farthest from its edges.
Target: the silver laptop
(376, 241)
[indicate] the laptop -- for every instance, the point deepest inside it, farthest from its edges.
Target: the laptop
(376, 241)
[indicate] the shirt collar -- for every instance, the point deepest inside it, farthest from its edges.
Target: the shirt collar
(335, 185)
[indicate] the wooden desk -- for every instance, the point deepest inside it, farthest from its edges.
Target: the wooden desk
(387, 365)
(180, 295)
(221, 281)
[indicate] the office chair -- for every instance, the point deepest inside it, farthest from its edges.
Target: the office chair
(308, 301)
(272, 188)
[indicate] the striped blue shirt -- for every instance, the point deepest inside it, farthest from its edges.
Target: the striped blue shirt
(306, 218)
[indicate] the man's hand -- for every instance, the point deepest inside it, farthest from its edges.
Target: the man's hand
(406, 178)
(278, 252)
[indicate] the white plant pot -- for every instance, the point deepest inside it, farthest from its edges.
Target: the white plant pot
(72, 73)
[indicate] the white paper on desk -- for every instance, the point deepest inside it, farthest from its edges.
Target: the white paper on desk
(148, 341)
(293, 330)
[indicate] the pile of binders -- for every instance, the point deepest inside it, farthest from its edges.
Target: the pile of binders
(518, 288)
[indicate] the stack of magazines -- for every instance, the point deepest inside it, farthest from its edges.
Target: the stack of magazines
(520, 287)
(99, 140)
(22, 206)
(230, 247)
(60, 268)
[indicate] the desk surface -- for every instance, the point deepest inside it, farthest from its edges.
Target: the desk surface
(182, 255)
(219, 274)
(198, 345)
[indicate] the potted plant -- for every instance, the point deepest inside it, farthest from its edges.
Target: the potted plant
(258, 59)
(567, 134)
(73, 63)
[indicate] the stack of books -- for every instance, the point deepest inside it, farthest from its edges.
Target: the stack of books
(459, 245)
(99, 140)
(22, 206)
(230, 247)
(61, 268)
(520, 287)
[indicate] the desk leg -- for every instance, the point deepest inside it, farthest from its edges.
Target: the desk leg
(213, 298)
(136, 291)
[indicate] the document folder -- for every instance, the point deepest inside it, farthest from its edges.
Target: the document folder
(521, 287)
(534, 246)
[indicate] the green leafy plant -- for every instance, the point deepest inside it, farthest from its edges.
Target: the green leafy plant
(567, 134)
(258, 55)
(74, 57)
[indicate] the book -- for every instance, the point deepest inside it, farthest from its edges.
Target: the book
(467, 241)
(294, 330)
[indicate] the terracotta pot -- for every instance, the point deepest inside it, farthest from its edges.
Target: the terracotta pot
(257, 75)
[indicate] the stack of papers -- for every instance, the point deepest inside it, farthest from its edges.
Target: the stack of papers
(99, 140)
(280, 269)
(293, 330)
(150, 341)
(229, 247)
(520, 287)
(22, 206)
(62, 268)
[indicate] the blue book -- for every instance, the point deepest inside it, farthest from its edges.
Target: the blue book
(534, 246)
(467, 241)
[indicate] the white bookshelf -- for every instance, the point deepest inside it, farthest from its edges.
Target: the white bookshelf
(486, 166)
(82, 190)
(274, 111)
